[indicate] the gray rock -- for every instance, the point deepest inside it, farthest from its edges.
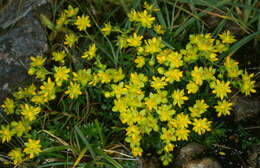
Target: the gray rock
(17, 11)
(18, 43)
(188, 153)
(203, 163)
(245, 107)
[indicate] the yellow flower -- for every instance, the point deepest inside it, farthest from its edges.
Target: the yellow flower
(162, 56)
(208, 74)
(135, 41)
(182, 134)
(71, 11)
(61, 74)
(198, 108)
(83, 76)
(175, 60)
(178, 97)
(70, 39)
(61, 20)
(16, 155)
(37, 61)
(29, 111)
(32, 147)
(158, 29)
(165, 112)
(153, 45)
(152, 101)
(107, 29)
(117, 75)
(8, 106)
(48, 90)
(145, 19)
(247, 84)
(59, 56)
(167, 135)
(173, 75)
(82, 22)
(90, 53)
(232, 67)
(140, 61)
(158, 83)
(221, 88)
(192, 87)
(200, 126)
(148, 6)
(226, 37)
(5, 133)
(18, 128)
(223, 108)
(73, 90)
(180, 121)
(198, 75)
(133, 16)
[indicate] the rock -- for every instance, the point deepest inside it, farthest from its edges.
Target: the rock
(253, 158)
(245, 107)
(17, 11)
(19, 42)
(188, 153)
(151, 162)
(203, 163)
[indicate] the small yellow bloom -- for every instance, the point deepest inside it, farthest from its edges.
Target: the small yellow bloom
(8, 106)
(221, 88)
(140, 61)
(32, 147)
(90, 53)
(107, 29)
(73, 90)
(178, 97)
(200, 126)
(70, 39)
(135, 40)
(71, 11)
(16, 155)
(30, 112)
(82, 22)
(158, 29)
(182, 134)
(223, 108)
(226, 37)
(5, 133)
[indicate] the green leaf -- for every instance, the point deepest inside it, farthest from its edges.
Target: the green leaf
(109, 159)
(84, 139)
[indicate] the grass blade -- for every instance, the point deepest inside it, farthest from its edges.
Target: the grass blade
(100, 133)
(81, 155)
(84, 139)
(109, 159)
(159, 14)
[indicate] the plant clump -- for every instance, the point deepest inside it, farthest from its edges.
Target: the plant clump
(166, 94)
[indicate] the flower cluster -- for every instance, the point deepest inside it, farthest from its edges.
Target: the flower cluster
(165, 92)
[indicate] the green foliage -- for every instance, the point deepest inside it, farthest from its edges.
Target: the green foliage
(127, 79)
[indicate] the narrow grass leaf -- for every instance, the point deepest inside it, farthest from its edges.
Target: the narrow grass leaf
(54, 149)
(100, 133)
(46, 22)
(109, 159)
(81, 155)
(159, 14)
(84, 139)
(59, 164)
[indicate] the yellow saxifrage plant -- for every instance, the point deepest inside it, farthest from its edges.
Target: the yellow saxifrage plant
(167, 93)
